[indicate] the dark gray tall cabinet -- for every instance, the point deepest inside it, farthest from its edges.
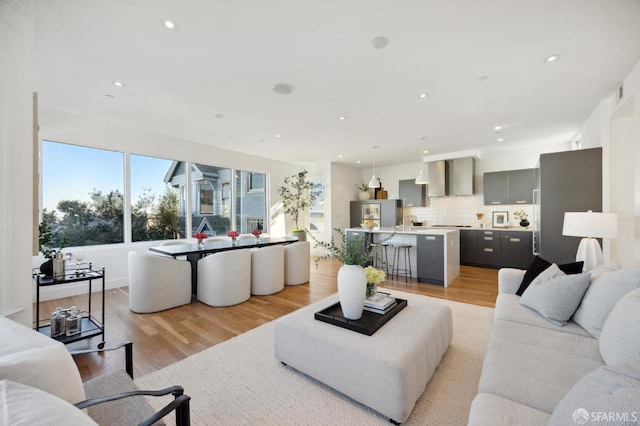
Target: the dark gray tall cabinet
(569, 181)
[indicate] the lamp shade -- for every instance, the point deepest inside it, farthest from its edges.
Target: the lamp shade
(590, 224)
(374, 182)
(421, 178)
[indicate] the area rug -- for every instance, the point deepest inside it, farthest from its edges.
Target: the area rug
(240, 382)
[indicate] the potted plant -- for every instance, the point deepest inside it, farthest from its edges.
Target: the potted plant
(364, 191)
(352, 280)
(298, 194)
(48, 247)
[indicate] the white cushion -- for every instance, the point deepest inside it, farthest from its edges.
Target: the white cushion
(558, 298)
(25, 405)
(609, 395)
(31, 358)
(602, 295)
(620, 337)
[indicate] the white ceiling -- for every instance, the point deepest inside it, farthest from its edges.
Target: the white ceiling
(226, 56)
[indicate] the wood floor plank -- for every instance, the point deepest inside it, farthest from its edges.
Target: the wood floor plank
(166, 337)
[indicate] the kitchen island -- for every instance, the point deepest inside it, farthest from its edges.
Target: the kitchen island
(434, 253)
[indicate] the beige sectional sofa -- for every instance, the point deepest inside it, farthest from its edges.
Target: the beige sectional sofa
(536, 372)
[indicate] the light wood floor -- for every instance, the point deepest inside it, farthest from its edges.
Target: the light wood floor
(162, 338)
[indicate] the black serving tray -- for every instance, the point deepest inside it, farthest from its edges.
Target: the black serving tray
(369, 323)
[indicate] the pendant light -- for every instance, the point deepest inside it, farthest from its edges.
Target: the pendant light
(422, 177)
(374, 182)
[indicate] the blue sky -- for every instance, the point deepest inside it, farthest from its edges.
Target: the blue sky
(71, 172)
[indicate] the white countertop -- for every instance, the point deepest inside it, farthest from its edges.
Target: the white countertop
(438, 230)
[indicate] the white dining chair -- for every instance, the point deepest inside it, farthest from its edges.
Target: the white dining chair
(297, 263)
(224, 278)
(267, 270)
(157, 283)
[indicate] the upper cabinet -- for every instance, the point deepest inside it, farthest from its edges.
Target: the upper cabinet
(496, 188)
(412, 194)
(521, 186)
(509, 187)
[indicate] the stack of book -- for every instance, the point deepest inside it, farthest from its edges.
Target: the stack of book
(380, 303)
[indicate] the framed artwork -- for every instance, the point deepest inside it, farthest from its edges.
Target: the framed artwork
(500, 219)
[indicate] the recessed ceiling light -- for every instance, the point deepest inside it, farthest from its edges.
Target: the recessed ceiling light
(118, 83)
(339, 155)
(423, 95)
(219, 116)
(497, 128)
(483, 78)
(283, 88)
(109, 95)
(426, 151)
(358, 162)
(380, 42)
(342, 117)
(169, 24)
(500, 139)
(278, 135)
(552, 58)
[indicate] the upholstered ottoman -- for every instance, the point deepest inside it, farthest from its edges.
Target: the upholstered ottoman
(387, 371)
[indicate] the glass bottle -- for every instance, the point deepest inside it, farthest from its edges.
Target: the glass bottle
(73, 322)
(58, 323)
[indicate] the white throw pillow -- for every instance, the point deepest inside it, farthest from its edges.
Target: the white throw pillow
(620, 337)
(30, 358)
(556, 299)
(608, 395)
(602, 295)
(24, 405)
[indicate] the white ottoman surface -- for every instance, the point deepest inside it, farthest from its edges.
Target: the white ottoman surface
(387, 371)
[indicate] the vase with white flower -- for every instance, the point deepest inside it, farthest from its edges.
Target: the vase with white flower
(522, 215)
(374, 277)
(353, 253)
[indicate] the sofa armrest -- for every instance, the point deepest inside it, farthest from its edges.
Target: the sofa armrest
(509, 280)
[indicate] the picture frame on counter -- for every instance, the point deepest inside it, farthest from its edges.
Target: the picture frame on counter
(500, 219)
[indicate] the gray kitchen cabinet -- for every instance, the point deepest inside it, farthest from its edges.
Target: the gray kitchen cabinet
(468, 246)
(412, 194)
(385, 213)
(430, 258)
(438, 171)
(496, 188)
(509, 187)
(515, 249)
(521, 185)
(488, 248)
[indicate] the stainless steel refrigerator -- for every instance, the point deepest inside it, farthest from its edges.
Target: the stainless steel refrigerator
(569, 181)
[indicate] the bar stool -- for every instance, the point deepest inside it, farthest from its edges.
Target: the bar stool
(381, 257)
(405, 250)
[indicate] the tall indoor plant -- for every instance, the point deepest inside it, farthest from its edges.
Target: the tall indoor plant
(298, 194)
(353, 253)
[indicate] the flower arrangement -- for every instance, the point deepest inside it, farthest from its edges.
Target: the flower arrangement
(232, 234)
(521, 214)
(200, 236)
(362, 186)
(257, 232)
(349, 252)
(374, 275)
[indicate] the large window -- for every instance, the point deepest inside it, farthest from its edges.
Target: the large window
(82, 194)
(155, 199)
(211, 212)
(251, 201)
(83, 197)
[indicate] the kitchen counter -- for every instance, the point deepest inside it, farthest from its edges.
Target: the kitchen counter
(434, 253)
(438, 230)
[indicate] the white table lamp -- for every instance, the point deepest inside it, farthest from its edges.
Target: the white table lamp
(590, 225)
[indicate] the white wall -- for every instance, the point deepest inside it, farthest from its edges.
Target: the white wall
(16, 158)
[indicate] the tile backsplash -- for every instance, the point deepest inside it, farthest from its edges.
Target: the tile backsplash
(461, 211)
